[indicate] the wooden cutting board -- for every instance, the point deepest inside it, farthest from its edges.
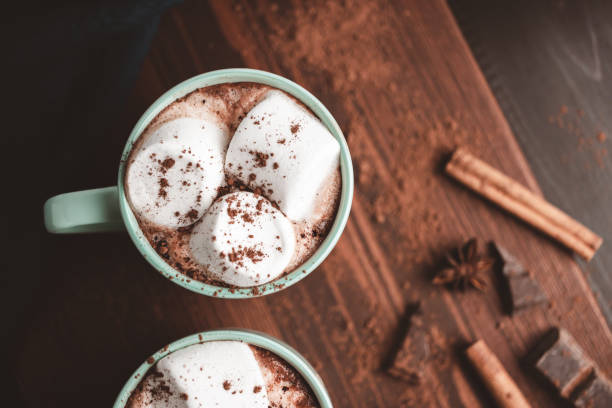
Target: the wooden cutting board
(404, 87)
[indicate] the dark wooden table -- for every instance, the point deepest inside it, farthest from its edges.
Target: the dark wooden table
(406, 90)
(539, 57)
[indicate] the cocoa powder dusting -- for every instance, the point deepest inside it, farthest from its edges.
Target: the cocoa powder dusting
(590, 144)
(192, 214)
(168, 163)
(238, 254)
(259, 158)
(163, 183)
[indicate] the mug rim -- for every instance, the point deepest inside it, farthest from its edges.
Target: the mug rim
(274, 345)
(232, 75)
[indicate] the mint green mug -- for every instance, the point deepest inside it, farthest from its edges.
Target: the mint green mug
(107, 209)
(262, 340)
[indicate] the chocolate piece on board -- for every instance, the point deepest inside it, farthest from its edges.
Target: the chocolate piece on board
(597, 393)
(525, 291)
(560, 359)
(511, 265)
(409, 362)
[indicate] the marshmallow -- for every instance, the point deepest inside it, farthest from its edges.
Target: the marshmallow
(283, 149)
(243, 240)
(211, 374)
(175, 175)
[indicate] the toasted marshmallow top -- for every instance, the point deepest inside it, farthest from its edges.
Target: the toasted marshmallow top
(283, 149)
(176, 173)
(211, 374)
(243, 240)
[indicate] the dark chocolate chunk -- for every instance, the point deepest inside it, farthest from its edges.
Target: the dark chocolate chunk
(525, 292)
(562, 361)
(524, 289)
(597, 393)
(511, 265)
(409, 362)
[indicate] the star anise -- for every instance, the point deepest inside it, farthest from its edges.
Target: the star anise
(465, 269)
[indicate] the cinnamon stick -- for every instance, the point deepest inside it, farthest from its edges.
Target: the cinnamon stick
(498, 381)
(518, 200)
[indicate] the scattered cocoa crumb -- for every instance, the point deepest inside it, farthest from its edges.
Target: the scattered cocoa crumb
(162, 248)
(163, 183)
(168, 163)
(237, 255)
(256, 389)
(232, 212)
(295, 128)
(260, 158)
(227, 385)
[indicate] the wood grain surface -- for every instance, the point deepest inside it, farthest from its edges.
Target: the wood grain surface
(405, 89)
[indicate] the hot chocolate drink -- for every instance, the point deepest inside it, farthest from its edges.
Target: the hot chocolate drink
(235, 184)
(222, 374)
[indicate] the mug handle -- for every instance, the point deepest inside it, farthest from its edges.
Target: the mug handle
(94, 210)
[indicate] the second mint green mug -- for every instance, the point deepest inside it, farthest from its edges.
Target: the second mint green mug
(107, 209)
(262, 340)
